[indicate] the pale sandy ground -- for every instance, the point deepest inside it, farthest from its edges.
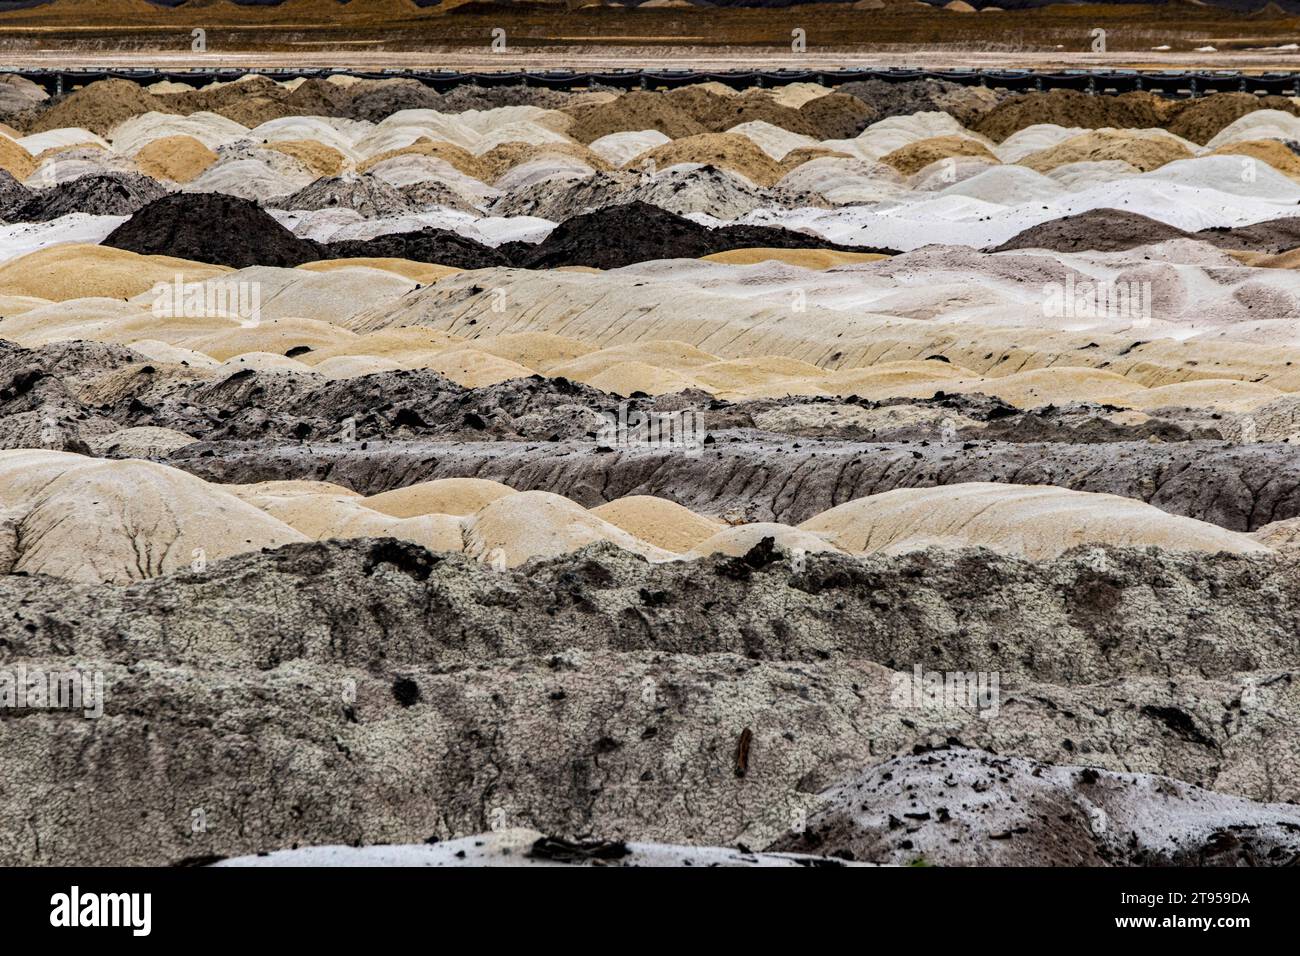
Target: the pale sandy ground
(657, 58)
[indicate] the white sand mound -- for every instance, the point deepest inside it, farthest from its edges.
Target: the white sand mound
(1038, 522)
(537, 524)
(617, 148)
(97, 521)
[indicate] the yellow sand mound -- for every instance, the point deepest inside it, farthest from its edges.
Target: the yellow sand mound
(180, 159)
(474, 369)
(663, 523)
(446, 496)
(735, 374)
(320, 159)
(15, 160)
(629, 378)
(665, 354)
(914, 157)
(725, 150)
(77, 271)
(322, 517)
(534, 350)
(277, 336)
(397, 344)
(1144, 152)
(499, 160)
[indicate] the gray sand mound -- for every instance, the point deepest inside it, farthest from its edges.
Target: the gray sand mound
(963, 808)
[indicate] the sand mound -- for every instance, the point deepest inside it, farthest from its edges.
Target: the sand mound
(179, 159)
(1143, 152)
(77, 271)
(1073, 108)
(367, 195)
(320, 159)
(1268, 151)
(210, 227)
(536, 350)
(630, 112)
(472, 368)
(662, 523)
(617, 148)
(100, 194)
(1037, 522)
(119, 521)
(458, 157)
(741, 539)
(914, 157)
(638, 378)
(1201, 119)
(99, 107)
(323, 517)
(533, 524)
(499, 160)
(667, 354)
(15, 160)
(447, 496)
(837, 115)
(728, 150)
(1103, 230)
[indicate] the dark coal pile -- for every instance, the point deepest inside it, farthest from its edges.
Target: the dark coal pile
(242, 235)
(635, 232)
(13, 194)
(442, 246)
(215, 228)
(1274, 235)
(99, 194)
(1099, 230)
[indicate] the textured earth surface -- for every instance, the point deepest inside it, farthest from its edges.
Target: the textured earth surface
(510, 476)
